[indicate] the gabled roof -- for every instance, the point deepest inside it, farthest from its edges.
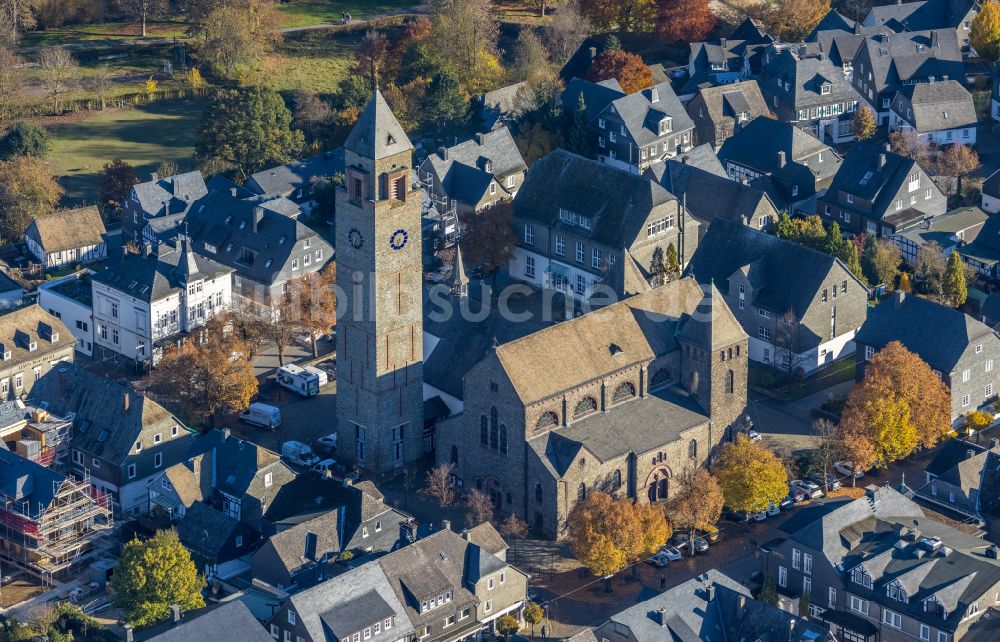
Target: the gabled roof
(864, 174)
(806, 73)
(377, 133)
(68, 229)
(725, 102)
(712, 196)
(596, 95)
(757, 145)
(290, 545)
(206, 530)
(618, 202)
(503, 104)
(936, 106)
(467, 169)
(642, 111)
(285, 179)
(486, 537)
(174, 193)
(917, 55)
(924, 14)
(27, 484)
(227, 621)
(940, 335)
(24, 326)
(832, 21)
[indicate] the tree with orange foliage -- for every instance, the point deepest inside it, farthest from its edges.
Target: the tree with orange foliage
(684, 20)
(901, 405)
(628, 68)
(310, 304)
(608, 534)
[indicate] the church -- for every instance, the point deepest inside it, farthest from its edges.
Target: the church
(621, 400)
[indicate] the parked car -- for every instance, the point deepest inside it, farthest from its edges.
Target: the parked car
(700, 545)
(261, 414)
(299, 453)
(831, 481)
(671, 552)
(810, 489)
(786, 503)
(773, 510)
(753, 435)
(681, 538)
(337, 471)
(659, 560)
(847, 469)
(327, 443)
(759, 516)
(796, 495)
(710, 533)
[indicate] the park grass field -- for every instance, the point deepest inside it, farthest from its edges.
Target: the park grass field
(110, 33)
(299, 13)
(317, 61)
(143, 137)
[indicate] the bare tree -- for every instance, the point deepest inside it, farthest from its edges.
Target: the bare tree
(140, 10)
(566, 32)
(59, 71)
(440, 485)
(828, 449)
(16, 17)
(101, 81)
(311, 113)
(787, 330)
(513, 528)
(478, 508)
(11, 81)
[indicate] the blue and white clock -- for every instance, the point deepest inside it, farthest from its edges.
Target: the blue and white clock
(399, 239)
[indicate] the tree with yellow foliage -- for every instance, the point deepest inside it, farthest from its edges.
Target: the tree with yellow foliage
(195, 79)
(751, 476)
(698, 503)
(985, 34)
(978, 420)
(899, 406)
(607, 534)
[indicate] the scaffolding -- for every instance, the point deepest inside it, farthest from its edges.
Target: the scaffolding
(47, 541)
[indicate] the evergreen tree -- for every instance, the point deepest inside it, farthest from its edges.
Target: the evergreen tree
(849, 255)
(444, 104)
(955, 288)
(868, 257)
(657, 268)
(784, 228)
(613, 43)
(834, 240)
(579, 134)
(672, 266)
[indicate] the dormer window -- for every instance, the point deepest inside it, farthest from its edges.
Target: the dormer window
(32, 346)
(6, 355)
(489, 166)
(897, 592)
(55, 337)
(665, 125)
(825, 88)
(859, 576)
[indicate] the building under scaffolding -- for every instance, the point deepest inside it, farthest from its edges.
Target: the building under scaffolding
(49, 523)
(35, 434)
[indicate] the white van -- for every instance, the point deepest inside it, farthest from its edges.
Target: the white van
(299, 453)
(298, 380)
(261, 414)
(320, 373)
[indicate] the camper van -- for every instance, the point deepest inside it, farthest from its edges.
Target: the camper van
(261, 414)
(298, 380)
(321, 374)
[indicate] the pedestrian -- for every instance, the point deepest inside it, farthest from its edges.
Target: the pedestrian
(663, 582)
(543, 631)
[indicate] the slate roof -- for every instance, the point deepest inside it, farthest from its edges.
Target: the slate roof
(486, 537)
(227, 621)
(178, 192)
(24, 326)
(942, 229)
(464, 175)
(832, 21)
(166, 270)
(712, 196)
(596, 95)
(883, 183)
(757, 145)
(642, 327)
(806, 74)
(502, 105)
(917, 55)
(285, 179)
(790, 273)
(952, 455)
(101, 425)
(238, 462)
(377, 133)
(206, 530)
(642, 111)
(337, 602)
(925, 14)
(68, 229)
(940, 335)
(725, 102)
(618, 201)
(991, 186)
(24, 480)
(289, 545)
(936, 106)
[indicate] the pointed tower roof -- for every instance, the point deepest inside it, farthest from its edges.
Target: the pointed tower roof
(712, 324)
(459, 279)
(187, 263)
(377, 133)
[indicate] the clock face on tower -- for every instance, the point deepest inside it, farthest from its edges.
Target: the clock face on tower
(355, 239)
(398, 239)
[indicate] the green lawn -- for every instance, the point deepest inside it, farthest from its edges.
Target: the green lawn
(143, 137)
(317, 61)
(110, 32)
(299, 13)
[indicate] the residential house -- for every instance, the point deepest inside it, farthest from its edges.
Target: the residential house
(474, 174)
(888, 62)
(878, 568)
(230, 620)
(633, 131)
(220, 544)
(719, 112)
(957, 347)
(70, 299)
(709, 607)
(501, 107)
(237, 477)
(953, 479)
(441, 587)
(52, 523)
(651, 385)
(67, 237)
(991, 193)
(726, 60)
(939, 112)
(299, 557)
(800, 307)
(798, 164)
(927, 14)
(164, 197)
(982, 253)
(121, 438)
(11, 292)
(804, 86)
(951, 231)
(297, 180)
(879, 192)
(158, 298)
(32, 342)
(580, 222)
(707, 194)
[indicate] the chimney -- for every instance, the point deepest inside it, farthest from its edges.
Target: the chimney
(944, 76)
(969, 454)
(466, 535)
(881, 161)
(128, 633)
(166, 207)
(857, 28)
(741, 602)
(710, 592)
(994, 443)
(225, 433)
(443, 152)
(125, 402)
(781, 158)
(258, 216)
(480, 138)
(654, 95)
(408, 531)
(593, 52)
(154, 177)
(934, 40)
(445, 525)
(684, 159)
(661, 616)
(175, 614)
(232, 192)
(900, 299)
(722, 42)
(310, 551)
